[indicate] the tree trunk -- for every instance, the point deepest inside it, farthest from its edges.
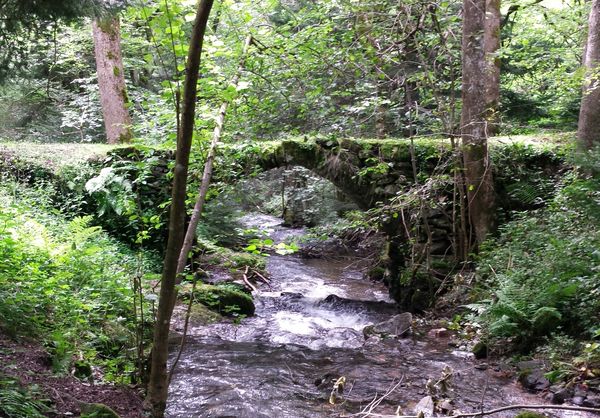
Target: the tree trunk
(158, 384)
(478, 174)
(588, 130)
(111, 79)
(492, 46)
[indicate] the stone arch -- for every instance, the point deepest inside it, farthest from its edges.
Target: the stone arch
(340, 166)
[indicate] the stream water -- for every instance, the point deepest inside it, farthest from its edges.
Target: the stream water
(283, 361)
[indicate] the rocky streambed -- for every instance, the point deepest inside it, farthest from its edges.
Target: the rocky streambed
(322, 344)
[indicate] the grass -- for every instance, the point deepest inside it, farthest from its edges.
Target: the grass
(54, 156)
(57, 155)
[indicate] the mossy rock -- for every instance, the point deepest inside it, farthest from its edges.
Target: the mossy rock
(480, 350)
(200, 314)
(529, 414)
(376, 273)
(97, 410)
(226, 300)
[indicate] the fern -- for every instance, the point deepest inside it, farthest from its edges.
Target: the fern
(16, 402)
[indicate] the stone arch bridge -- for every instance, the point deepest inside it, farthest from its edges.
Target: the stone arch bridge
(366, 171)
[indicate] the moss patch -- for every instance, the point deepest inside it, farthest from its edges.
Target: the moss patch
(226, 299)
(529, 414)
(97, 410)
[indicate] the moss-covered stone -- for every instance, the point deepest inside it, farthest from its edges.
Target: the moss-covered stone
(225, 299)
(97, 410)
(480, 350)
(529, 414)
(202, 315)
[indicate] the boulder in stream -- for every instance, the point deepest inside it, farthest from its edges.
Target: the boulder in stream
(227, 299)
(397, 326)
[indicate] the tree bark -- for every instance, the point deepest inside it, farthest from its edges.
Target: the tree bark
(111, 79)
(492, 47)
(588, 130)
(208, 167)
(158, 384)
(478, 173)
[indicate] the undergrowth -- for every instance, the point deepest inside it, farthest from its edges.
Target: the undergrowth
(17, 401)
(542, 274)
(66, 283)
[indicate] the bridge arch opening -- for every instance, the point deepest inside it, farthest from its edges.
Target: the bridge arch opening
(298, 195)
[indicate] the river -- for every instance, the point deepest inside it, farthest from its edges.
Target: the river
(283, 361)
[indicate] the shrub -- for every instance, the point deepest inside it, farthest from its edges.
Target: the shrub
(543, 271)
(65, 282)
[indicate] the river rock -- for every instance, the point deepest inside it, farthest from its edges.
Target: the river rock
(379, 307)
(425, 406)
(344, 338)
(226, 300)
(560, 395)
(397, 326)
(480, 350)
(438, 333)
(592, 401)
(531, 375)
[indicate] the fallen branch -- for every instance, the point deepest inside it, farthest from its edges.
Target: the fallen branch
(493, 411)
(508, 408)
(368, 410)
(263, 278)
(247, 282)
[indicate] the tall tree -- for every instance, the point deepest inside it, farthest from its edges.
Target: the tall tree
(111, 80)
(588, 130)
(492, 46)
(158, 384)
(477, 169)
(21, 20)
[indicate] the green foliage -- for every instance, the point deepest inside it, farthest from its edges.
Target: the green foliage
(22, 20)
(19, 402)
(263, 246)
(526, 173)
(543, 270)
(541, 66)
(530, 415)
(65, 282)
(96, 410)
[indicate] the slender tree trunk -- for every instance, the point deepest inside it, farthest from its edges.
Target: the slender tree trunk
(158, 384)
(588, 130)
(111, 80)
(208, 166)
(478, 173)
(492, 47)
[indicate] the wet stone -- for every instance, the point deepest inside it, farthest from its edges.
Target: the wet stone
(560, 395)
(438, 333)
(425, 406)
(397, 326)
(592, 401)
(534, 380)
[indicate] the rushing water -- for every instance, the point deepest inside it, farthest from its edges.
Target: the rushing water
(283, 361)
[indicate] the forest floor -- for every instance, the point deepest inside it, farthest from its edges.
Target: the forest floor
(31, 365)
